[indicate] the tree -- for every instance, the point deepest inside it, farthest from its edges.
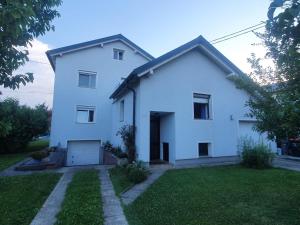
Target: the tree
(19, 124)
(275, 92)
(21, 21)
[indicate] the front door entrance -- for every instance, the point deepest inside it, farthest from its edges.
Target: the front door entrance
(166, 151)
(154, 138)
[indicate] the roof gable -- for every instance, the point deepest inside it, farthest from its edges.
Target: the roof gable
(52, 54)
(198, 42)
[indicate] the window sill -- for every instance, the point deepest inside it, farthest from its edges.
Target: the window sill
(85, 122)
(203, 119)
(87, 87)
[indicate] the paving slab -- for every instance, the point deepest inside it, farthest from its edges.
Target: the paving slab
(132, 194)
(48, 212)
(112, 209)
(287, 163)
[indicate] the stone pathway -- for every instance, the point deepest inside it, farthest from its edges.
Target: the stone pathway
(130, 195)
(48, 212)
(112, 209)
(287, 163)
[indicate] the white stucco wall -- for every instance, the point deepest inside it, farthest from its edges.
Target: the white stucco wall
(116, 122)
(167, 134)
(171, 88)
(67, 94)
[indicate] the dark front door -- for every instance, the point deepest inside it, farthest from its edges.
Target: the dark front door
(154, 138)
(166, 152)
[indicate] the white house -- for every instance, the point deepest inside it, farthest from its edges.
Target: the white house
(182, 103)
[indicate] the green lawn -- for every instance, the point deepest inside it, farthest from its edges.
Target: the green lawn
(10, 159)
(7, 160)
(220, 196)
(82, 204)
(21, 197)
(119, 180)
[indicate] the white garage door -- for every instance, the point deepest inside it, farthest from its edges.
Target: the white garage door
(246, 130)
(84, 153)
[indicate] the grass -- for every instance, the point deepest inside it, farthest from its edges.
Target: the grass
(9, 159)
(220, 196)
(82, 204)
(6, 160)
(21, 197)
(119, 180)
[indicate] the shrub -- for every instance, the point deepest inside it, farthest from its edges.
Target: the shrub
(123, 155)
(127, 133)
(137, 175)
(136, 172)
(39, 155)
(116, 151)
(256, 155)
(107, 146)
(20, 124)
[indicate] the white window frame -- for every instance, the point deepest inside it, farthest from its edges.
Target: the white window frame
(122, 110)
(88, 109)
(118, 54)
(204, 99)
(87, 73)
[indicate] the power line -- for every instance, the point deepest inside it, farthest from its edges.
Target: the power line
(35, 61)
(238, 33)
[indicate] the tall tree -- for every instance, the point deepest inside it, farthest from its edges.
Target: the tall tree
(20, 22)
(275, 92)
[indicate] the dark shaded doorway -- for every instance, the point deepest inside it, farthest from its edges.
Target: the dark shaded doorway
(154, 137)
(166, 152)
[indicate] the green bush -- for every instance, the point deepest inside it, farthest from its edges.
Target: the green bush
(127, 133)
(19, 124)
(39, 155)
(137, 175)
(136, 172)
(256, 155)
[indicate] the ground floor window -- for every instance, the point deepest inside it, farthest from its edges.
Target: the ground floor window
(203, 149)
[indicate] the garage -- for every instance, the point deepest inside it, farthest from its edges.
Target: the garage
(246, 130)
(84, 153)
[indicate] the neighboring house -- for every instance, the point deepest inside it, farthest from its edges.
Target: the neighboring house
(182, 103)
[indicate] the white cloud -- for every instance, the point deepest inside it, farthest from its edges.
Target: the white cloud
(41, 90)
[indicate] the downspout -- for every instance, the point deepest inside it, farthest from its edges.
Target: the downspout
(133, 108)
(133, 157)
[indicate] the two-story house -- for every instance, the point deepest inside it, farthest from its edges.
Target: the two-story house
(181, 103)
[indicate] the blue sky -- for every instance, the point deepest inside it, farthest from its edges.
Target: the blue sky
(157, 26)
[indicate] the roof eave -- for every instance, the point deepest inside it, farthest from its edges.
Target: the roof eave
(130, 79)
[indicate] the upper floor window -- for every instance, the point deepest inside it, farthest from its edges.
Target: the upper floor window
(201, 106)
(122, 111)
(85, 114)
(87, 79)
(118, 54)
